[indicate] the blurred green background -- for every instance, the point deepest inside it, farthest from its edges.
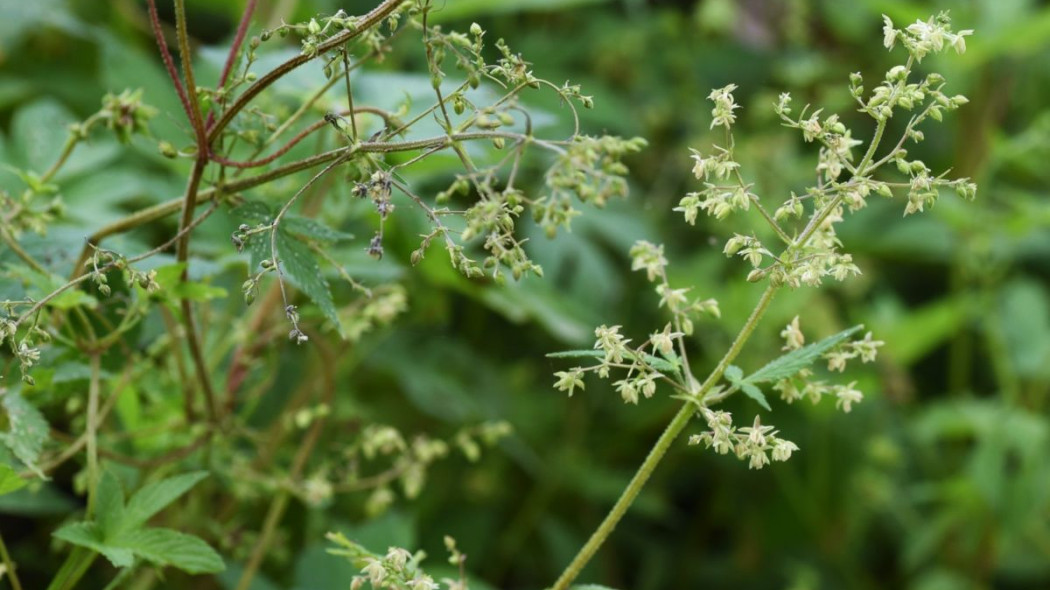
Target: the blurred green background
(940, 480)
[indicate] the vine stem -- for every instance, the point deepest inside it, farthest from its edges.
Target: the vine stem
(656, 454)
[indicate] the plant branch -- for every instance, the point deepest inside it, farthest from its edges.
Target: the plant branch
(678, 423)
(231, 57)
(363, 23)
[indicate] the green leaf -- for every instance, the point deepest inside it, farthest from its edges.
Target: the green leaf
(9, 480)
(89, 535)
(169, 547)
(302, 270)
(154, 497)
(655, 362)
(298, 261)
(734, 373)
(38, 132)
(27, 430)
(109, 506)
(40, 285)
(312, 229)
(796, 360)
(756, 394)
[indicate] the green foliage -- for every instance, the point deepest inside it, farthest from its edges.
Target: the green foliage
(390, 423)
(26, 430)
(118, 530)
(795, 361)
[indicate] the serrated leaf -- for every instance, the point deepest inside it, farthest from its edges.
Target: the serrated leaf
(302, 270)
(313, 230)
(154, 497)
(9, 480)
(255, 213)
(109, 505)
(298, 262)
(655, 362)
(796, 360)
(89, 535)
(756, 394)
(27, 430)
(169, 547)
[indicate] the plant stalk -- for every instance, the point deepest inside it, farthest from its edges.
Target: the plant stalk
(656, 454)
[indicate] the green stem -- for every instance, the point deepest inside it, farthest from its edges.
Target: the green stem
(90, 434)
(681, 419)
(17, 249)
(74, 568)
(67, 150)
(9, 565)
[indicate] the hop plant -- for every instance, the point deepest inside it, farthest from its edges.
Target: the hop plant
(804, 251)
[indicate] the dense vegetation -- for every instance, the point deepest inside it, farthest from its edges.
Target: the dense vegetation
(344, 348)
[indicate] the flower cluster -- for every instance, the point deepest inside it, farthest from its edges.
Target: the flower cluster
(923, 37)
(755, 443)
(802, 386)
(613, 351)
(397, 569)
(807, 252)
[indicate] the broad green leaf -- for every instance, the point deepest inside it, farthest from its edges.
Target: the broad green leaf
(655, 362)
(154, 497)
(298, 261)
(89, 535)
(312, 229)
(9, 480)
(796, 360)
(302, 270)
(23, 18)
(27, 429)
(109, 506)
(38, 132)
(169, 547)
(39, 286)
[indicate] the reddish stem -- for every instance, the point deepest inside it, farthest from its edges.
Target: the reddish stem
(165, 55)
(292, 142)
(231, 58)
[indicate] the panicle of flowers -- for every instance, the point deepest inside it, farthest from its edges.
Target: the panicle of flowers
(755, 443)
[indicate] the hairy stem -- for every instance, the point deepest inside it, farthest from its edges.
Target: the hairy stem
(656, 454)
(364, 23)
